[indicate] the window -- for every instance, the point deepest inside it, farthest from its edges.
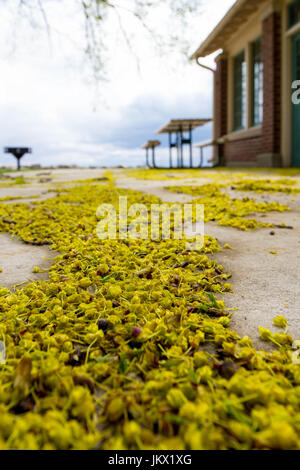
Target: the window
(293, 13)
(239, 91)
(257, 83)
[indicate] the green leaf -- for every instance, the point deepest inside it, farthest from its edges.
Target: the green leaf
(172, 363)
(174, 419)
(123, 365)
(213, 301)
(193, 376)
(107, 278)
(237, 415)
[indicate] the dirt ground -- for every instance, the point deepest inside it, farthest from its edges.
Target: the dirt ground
(265, 285)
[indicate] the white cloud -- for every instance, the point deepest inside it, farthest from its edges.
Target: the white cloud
(47, 100)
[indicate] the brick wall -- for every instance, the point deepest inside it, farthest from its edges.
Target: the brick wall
(269, 143)
(271, 54)
(221, 96)
(245, 150)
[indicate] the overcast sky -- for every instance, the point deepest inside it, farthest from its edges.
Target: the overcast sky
(48, 100)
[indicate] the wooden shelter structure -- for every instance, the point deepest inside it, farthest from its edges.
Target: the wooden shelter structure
(151, 145)
(180, 133)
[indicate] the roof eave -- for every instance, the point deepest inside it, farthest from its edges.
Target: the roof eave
(204, 49)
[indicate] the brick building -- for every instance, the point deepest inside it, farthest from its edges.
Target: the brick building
(255, 120)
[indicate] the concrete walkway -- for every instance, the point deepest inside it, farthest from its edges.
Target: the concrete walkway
(17, 261)
(265, 285)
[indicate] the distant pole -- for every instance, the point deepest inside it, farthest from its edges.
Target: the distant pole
(153, 157)
(181, 148)
(178, 149)
(170, 150)
(201, 157)
(191, 147)
(147, 157)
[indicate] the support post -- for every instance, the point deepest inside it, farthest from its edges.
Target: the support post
(201, 157)
(191, 146)
(181, 148)
(153, 157)
(178, 149)
(147, 158)
(170, 150)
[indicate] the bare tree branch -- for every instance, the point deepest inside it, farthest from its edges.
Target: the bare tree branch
(96, 13)
(44, 15)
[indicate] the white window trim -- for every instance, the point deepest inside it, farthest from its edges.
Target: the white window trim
(293, 30)
(254, 131)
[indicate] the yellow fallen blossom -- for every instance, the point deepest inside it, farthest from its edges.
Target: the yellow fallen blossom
(280, 321)
(111, 352)
(227, 211)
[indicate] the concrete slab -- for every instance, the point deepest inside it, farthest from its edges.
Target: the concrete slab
(265, 285)
(37, 188)
(17, 261)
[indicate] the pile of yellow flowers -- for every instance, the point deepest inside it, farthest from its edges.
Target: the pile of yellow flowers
(160, 174)
(227, 211)
(282, 185)
(215, 173)
(127, 347)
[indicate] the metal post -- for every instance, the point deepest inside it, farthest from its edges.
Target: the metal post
(170, 150)
(153, 157)
(181, 148)
(201, 157)
(19, 164)
(178, 149)
(147, 158)
(191, 147)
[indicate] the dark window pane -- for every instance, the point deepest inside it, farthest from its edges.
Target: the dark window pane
(293, 13)
(297, 62)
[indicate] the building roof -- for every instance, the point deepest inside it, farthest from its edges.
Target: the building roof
(184, 125)
(230, 23)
